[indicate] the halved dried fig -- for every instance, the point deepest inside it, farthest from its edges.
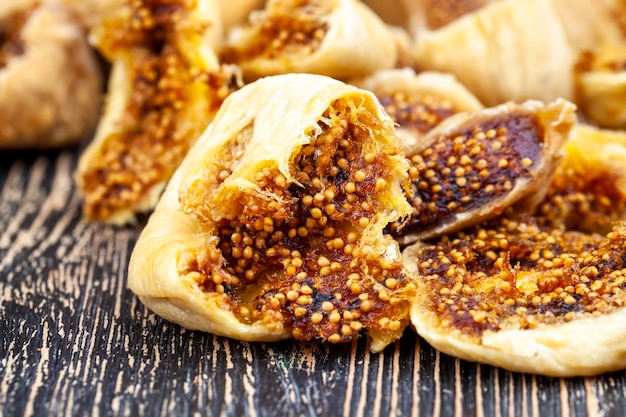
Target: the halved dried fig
(418, 102)
(339, 38)
(525, 298)
(273, 225)
(165, 87)
(588, 190)
(474, 165)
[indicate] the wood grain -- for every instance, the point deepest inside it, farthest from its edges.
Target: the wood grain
(75, 341)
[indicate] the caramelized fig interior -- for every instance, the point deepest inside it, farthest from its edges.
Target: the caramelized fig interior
(417, 112)
(160, 101)
(513, 274)
(342, 39)
(588, 190)
(417, 103)
(473, 166)
(286, 27)
(153, 138)
(305, 250)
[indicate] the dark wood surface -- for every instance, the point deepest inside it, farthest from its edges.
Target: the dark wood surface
(76, 341)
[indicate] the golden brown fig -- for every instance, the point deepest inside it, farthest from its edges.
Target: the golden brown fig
(165, 87)
(512, 50)
(339, 38)
(588, 190)
(418, 102)
(49, 79)
(474, 165)
(525, 298)
(273, 225)
(601, 85)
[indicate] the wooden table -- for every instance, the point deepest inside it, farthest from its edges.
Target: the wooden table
(76, 341)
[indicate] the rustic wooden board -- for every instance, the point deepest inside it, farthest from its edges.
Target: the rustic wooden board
(75, 341)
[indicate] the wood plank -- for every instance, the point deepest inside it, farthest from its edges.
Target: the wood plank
(75, 341)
